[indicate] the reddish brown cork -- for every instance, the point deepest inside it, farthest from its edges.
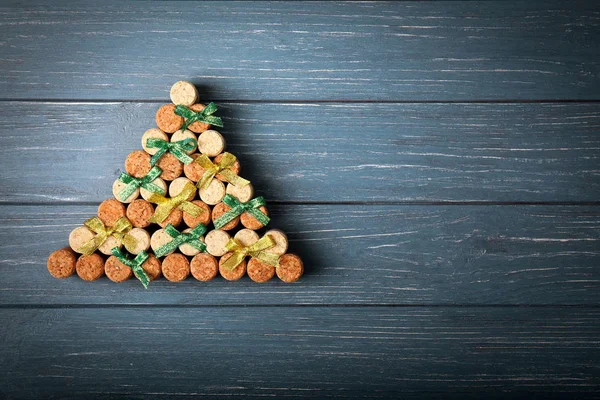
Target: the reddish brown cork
(250, 222)
(139, 213)
(171, 167)
(258, 271)
(193, 171)
(235, 168)
(174, 218)
(204, 267)
(236, 273)
(221, 209)
(116, 271)
(198, 127)
(90, 268)
(152, 267)
(290, 268)
(176, 267)
(109, 211)
(61, 263)
(137, 164)
(166, 119)
(203, 218)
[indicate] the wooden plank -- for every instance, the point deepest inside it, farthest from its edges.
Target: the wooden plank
(292, 352)
(323, 152)
(353, 255)
(295, 50)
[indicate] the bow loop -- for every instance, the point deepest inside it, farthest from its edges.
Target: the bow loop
(166, 206)
(237, 208)
(119, 230)
(192, 238)
(202, 116)
(135, 264)
(134, 183)
(179, 149)
(255, 250)
(223, 167)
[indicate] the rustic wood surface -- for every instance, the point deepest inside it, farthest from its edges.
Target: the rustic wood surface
(434, 163)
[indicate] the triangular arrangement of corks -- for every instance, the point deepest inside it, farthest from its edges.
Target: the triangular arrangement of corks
(177, 211)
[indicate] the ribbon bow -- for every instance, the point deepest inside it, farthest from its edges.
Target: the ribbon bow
(205, 115)
(192, 238)
(165, 205)
(179, 149)
(237, 208)
(222, 167)
(135, 264)
(122, 226)
(145, 182)
(256, 250)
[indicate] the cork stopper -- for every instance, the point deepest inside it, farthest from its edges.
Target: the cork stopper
(246, 237)
(109, 211)
(182, 135)
(139, 213)
(61, 263)
(90, 268)
(215, 242)
(176, 187)
(203, 218)
(250, 222)
(221, 209)
(152, 267)
(176, 267)
(158, 239)
(214, 193)
(211, 143)
(281, 242)
(158, 182)
(204, 267)
(78, 237)
(259, 271)
(116, 271)
(137, 164)
(236, 273)
(142, 239)
(175, 218)
(166, 119)
(118, 186)
(235, 168)
(290, 268)
(188, 249)
(198, 127)
(184, 93)
(171, 167)
(193, 171)
(242, 193)
(156, 134)
(110, 243)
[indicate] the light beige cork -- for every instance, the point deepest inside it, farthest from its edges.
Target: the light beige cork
(188, 249)
(281, 242)
(158, 182)
(80, 236)
(242, 193)
(184, 93)
(182, 135)
(109, 244)
(215, 242)
(177, 185)
(142, 240)
(118, 186)
(156, 134)
(246, 237)
(214, 193)
(159, 238)
(211, 143)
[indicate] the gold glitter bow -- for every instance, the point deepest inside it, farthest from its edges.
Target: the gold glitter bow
(119, 231)
(222, 167)
(255, 250)
(166, 206)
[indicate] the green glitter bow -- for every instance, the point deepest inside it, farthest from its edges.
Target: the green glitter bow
(179, 149)
(237, 208)
(205, 115)
(145, 182)
(135, 264)
(192, 238)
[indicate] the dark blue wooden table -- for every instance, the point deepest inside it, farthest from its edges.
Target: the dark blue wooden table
(436, 165)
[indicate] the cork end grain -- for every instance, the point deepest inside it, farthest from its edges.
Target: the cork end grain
(152, 267)
(193, 171)
(198, 127)
(218, 212)
(235, 274)
(204, 267)
(61, 263)
(184, 93)
(171, 167)
(137, 164)
(166, 119)
(109, 211)
(250, 222)
(139, 213)
(203, 218)
(176, 267)
(260, 272)
(116, 271)
(290, 268)
(90, 268)
(175, 218)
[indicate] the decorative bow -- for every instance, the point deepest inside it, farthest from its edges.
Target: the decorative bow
(135, 264)
(222, 167)
(205, 115)
(237, 208)
(165, 205)
(192, 238)
(179, 149)
(145, 182)
(119, 230)
(256, 250)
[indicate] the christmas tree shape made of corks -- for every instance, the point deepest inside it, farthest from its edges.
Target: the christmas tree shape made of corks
(180, 208)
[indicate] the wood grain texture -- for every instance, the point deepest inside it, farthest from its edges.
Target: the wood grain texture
(353, 255)
(291, 352)
(323, 152)
(301, 50)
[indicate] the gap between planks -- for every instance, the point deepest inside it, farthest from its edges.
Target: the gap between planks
(274, 101)
(300, 305)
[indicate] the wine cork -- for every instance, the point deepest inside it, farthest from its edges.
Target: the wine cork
(246, 237)
(137, 164)
(90, 268)
(259, 271)
(250, 222)
(235, 168)
(152, 267)
(171, 167)
(198, 127)
(184, 93)
(211, 143)
(290, 268)
(193, 171)
(221, 209)
(158, 182)
(242, 193)
(109, 211)
(142, 241)
(188, 249)
(61, 263)
(204, 267)
(160, 238)
(139, 213)
(236, 273)
(176, 267)
(156, 134)
(182, 135)
(174, 218)
(215, 242)
(176, 187)
(118, 186)
(203, 218)
(80, 236)
(116, 271)
(166, 119)
(281, 242)
(214, 193)
(110, 243)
